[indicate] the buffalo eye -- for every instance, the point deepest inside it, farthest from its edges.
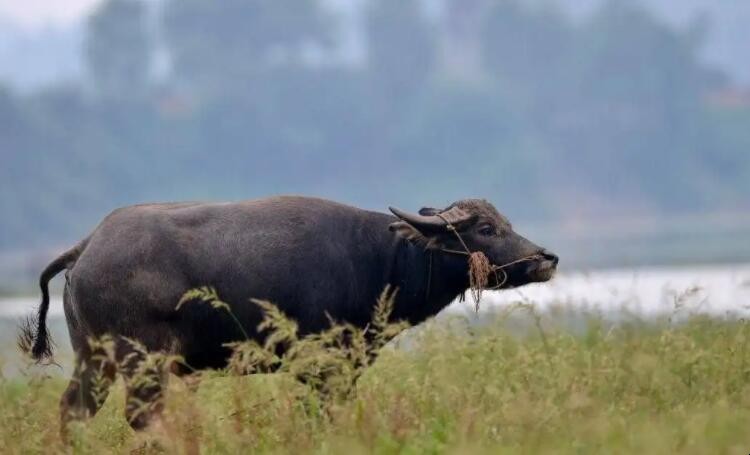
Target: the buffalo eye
(487, 231)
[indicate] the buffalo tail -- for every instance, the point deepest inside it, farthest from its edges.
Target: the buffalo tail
(34, 338)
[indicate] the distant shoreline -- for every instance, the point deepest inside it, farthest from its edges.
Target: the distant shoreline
(726, 286)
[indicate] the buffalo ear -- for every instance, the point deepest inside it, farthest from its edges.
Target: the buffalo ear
(406, 230)
(412, 234)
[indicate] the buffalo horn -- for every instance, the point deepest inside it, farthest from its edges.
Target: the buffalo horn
(455, 216)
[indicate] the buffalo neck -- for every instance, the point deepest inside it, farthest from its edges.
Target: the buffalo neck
(427, 280)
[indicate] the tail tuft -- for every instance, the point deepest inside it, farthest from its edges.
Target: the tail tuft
(34, 339)
(26, 335)
(33, 336)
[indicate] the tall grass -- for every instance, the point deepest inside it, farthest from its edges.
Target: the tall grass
(660, 387)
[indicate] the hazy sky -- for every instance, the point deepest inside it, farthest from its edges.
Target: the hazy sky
(724, 47)
(40, 13)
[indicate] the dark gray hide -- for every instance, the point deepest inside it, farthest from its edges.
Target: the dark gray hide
(311, 257)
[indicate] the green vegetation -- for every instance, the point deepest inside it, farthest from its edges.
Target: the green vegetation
(522, 383)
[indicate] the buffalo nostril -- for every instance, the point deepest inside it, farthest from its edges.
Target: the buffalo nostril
(550, 257)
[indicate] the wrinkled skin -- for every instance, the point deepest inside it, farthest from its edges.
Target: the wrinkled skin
(311, 257)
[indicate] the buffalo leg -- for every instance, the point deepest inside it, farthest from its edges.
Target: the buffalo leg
(93, 374)
(144, 377)
(88, 388)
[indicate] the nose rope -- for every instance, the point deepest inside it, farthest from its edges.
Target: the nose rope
(467, 252)
(476, 294)
(452, 228)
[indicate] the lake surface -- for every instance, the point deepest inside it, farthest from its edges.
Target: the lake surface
(647, 291)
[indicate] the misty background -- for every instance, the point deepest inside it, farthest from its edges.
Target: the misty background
(615, 132)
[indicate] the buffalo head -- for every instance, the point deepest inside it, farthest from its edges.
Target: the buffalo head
(475, 225)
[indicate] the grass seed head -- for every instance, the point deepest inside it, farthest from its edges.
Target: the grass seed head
(479, 273)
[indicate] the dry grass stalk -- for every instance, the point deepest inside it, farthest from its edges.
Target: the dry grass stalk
(329, 362)
(479, 273)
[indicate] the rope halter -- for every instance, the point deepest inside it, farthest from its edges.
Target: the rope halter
(476, 292)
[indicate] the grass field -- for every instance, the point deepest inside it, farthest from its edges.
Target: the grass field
(519, 383)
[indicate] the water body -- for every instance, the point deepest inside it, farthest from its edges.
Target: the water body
(647, 291)
(713, 289)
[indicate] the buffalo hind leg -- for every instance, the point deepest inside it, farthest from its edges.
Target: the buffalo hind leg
(145, 376)
(88, 387)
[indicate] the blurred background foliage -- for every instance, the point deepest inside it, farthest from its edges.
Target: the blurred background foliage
(555, 117)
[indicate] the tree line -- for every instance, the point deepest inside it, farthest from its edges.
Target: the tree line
(504, 99)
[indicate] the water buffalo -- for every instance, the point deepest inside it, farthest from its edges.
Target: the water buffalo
(313, 258)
